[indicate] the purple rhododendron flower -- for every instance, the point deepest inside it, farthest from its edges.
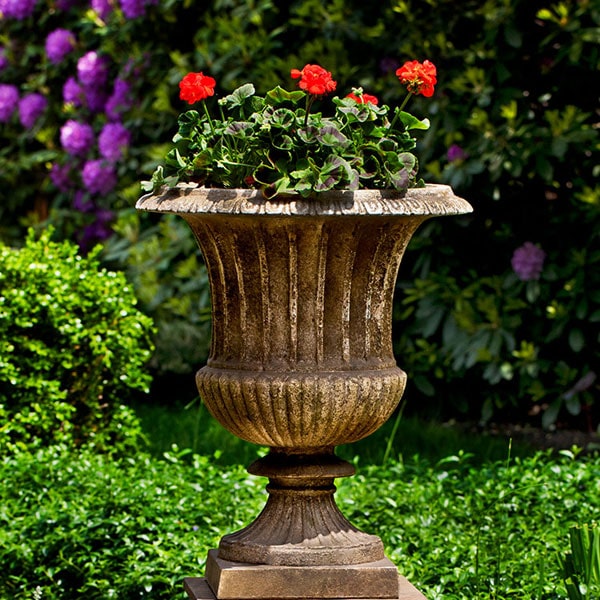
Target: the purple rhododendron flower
(113, 140)
(119, 101)
(98, 177)
(95, 98)
(132, 9)
(455, 152)
(58, 44)
(17, 9)
(92, 69)
(72, 92)
(82, 202)
(60, 175)
(9, 99)
(31, 107)
(76, 138)
(103, 8)
(528, 261)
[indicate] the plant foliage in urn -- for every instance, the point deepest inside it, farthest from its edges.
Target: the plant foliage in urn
(280, 144)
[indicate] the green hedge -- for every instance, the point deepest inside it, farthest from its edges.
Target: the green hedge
(73, 349)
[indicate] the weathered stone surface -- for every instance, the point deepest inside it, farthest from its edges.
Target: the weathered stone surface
(230, 580)
(197, 588)
(301, 361)
(301, 525)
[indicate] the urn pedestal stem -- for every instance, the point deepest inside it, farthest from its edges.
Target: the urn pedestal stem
(301, 361)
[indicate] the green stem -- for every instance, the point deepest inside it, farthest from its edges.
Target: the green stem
(400, 109)
(210, 122)
(309, 100)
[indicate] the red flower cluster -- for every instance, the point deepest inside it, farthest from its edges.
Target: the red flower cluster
(364, 98)
(196, 86)
(419, 78)
(314, 80)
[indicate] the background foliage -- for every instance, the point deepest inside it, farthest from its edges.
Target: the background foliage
(514, 130)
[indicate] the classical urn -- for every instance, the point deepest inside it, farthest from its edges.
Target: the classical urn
(301, 361)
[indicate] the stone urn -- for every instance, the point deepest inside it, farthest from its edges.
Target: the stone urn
(301, 361)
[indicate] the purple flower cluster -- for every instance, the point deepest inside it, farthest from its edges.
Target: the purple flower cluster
(17, 9)
(133, 9)
(528, 261)
(99, 177)
(72, 92)
(9, 100)
(119, 101)
(89, 90)
(76, 138)
(89, 87)
(93, 136)
(60, 175)
(103, 8)
(92, 69)
(59, 43)
(31, 108)
(456, 153)
(113, 141)
(98, 230)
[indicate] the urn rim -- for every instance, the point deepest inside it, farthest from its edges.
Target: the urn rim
(430, 200)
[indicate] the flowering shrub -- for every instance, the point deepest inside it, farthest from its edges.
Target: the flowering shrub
(69, 106)
(277, 143)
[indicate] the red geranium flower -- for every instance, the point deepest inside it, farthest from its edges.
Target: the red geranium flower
(364, 98)
(314, 80)
(196, 86)
(418, 77)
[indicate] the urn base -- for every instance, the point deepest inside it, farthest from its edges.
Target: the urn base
(240, 581)
(301, 525)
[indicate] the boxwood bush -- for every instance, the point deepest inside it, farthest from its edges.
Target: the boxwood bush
(73, 349)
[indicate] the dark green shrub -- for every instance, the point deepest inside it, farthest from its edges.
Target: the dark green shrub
(165, 267)
(516, 141)
(73, 347)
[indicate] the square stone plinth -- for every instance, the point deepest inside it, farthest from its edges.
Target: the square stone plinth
(241, 581)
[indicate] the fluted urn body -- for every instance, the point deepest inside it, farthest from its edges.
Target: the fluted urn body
(301, 354)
